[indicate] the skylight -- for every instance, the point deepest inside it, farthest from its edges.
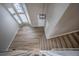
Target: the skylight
(23, 17)
(11, 10)
(17, 18)
(18, 8)
(18, 13)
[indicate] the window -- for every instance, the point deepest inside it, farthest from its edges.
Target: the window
(18, 8)
(11, 10)
(17, 12)
(23, 17)
(17, 18)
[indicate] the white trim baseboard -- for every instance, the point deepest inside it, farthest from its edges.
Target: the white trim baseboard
(12, 39)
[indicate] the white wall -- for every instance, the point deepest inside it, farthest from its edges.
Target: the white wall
(55, 12)
(34, 9)
(61, 19)
(8, 29)
(69, 21)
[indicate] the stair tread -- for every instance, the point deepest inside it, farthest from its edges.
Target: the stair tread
(58, 43)
(76, 36)
(50, 44)
(69, 45)
(55, 45)
(62, 42)
(73, 41)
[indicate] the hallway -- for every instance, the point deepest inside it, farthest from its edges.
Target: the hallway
(27, 38)
(33, 38)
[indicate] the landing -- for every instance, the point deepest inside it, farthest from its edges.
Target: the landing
(27, 38)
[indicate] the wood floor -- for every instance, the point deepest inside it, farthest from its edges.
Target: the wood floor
(29, 38)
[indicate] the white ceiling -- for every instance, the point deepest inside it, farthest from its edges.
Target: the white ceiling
(34, 9)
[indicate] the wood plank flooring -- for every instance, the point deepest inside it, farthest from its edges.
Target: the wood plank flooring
(27, 38)
(30, 38)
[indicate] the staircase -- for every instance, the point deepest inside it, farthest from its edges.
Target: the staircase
(62, 45)
(65, 41)
(29, 38)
